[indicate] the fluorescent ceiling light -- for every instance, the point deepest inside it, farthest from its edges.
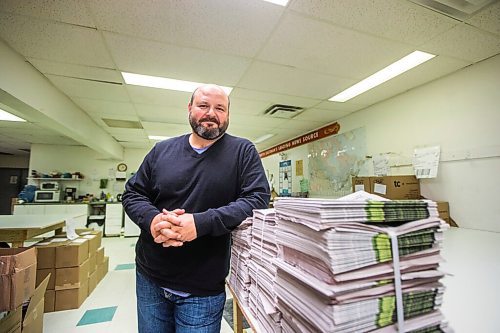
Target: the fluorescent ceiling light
(158, 137)
(4, 115)
(278, 2)
(263, 138)
(412, 60)
(164, 83)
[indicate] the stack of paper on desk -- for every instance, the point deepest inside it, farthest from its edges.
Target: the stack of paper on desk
(239, 279)
(335, 270)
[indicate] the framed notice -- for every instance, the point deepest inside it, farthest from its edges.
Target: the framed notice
(285, 185)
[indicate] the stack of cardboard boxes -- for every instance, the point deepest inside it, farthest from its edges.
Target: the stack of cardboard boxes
(77, 266)
(398, 188)
(21, 305)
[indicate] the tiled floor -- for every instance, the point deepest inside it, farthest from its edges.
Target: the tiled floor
(471, 302)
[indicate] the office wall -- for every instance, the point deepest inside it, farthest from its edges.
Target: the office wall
(14, 161)
(49, 158)
(460, 113)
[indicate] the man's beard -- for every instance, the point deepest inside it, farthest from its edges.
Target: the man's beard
(205, 132)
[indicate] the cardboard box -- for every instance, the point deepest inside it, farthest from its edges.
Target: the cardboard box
(390, 187)
(33, 319)
(71, 298)
(443, 208)
(12, 322)
(361, 184)
(49, 301)
(41, 274)
(72, 253)
(93, 281)
(93, 236)
(99, 256)
(17, 276)
(102, 269)
(92, 263)
(72, 277)
(46, 254)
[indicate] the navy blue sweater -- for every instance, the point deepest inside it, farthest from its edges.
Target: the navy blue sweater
(220, 187)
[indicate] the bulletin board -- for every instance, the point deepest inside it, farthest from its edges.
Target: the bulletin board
(285, 180)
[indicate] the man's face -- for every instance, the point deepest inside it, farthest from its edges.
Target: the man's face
(209, 113)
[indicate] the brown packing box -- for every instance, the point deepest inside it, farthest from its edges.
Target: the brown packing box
(361, 183)
(72, 253)
(102, 269)
(396, 187)
(12, 322)
(72, 277)
(71, 298)
(17, 276)
(92, 263)
(93, 280)
(42, 273)
(33, 319)
(99, 256)
(46, 254)
(444, 210)
(94, 237)
(50, 300)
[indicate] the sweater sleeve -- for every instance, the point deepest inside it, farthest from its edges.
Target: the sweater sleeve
(139, 191)
(254, 194)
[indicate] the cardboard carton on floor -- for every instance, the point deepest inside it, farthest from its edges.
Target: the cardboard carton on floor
(102, 269)
(72, 253)
(49, 301)
(71, 298)
(99, 256)
(17, 276)
(41, 274)
(46, 254)
(72, 277)
(11, 323)
(93, 281)
(94, 237)
(361, 184)
(33, 319)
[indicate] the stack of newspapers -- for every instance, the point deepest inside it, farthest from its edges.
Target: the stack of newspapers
(352, 264)
(239, 279)
(262, 267)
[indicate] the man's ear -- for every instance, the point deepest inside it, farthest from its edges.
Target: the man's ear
(189, 107)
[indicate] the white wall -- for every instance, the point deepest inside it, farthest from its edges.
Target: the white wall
(460, 113)
(49, 158)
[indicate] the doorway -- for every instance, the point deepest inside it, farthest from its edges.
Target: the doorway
(12, 181)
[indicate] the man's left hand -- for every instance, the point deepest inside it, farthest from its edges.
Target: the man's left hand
(183, 225)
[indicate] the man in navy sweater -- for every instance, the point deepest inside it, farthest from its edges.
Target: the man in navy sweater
(189, 193)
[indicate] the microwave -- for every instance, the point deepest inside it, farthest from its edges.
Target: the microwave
(47, 196)
(51, 186)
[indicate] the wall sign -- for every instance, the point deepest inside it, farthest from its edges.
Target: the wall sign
(323, 132)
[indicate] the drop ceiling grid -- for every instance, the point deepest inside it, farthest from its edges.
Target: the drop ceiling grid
(488, 19)
(99, 107)
(145, 95)
(321, 47)
(68, 11)
(164, 114)
(54, 41)
(236, 27)
(291, 81)
(272, 97)
(397, 20)
(164, 129)
(161, 59)
(89, 89)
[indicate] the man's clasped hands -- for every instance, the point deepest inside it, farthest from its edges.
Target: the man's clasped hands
(173, 228)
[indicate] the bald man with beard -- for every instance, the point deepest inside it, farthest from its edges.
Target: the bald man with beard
(189, 193)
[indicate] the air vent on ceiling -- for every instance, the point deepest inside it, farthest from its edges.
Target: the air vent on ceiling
(459, 9)
(122, 123)
(283, 111)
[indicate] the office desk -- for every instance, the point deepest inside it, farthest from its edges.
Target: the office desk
(16, 229)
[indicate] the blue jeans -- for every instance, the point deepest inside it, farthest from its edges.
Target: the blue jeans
(159, 311)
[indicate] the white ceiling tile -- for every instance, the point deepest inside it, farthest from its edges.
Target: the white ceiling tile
(245, 121)
(127, 132)
(394, 19)
(165, 129)
(348, 106)
(248, 106)
(100, 107)
(145, 95)
(291, 81)
(78, 71)
(426, 72)
(163, 114)
(273, 98)
(167, 60)
(89, 89)
(317, 46)
(464, 42)
(488, 19)
(233, 27)
(322, 115)
(69, 11)
(54, 41)
(142, 144)
(301, 125)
